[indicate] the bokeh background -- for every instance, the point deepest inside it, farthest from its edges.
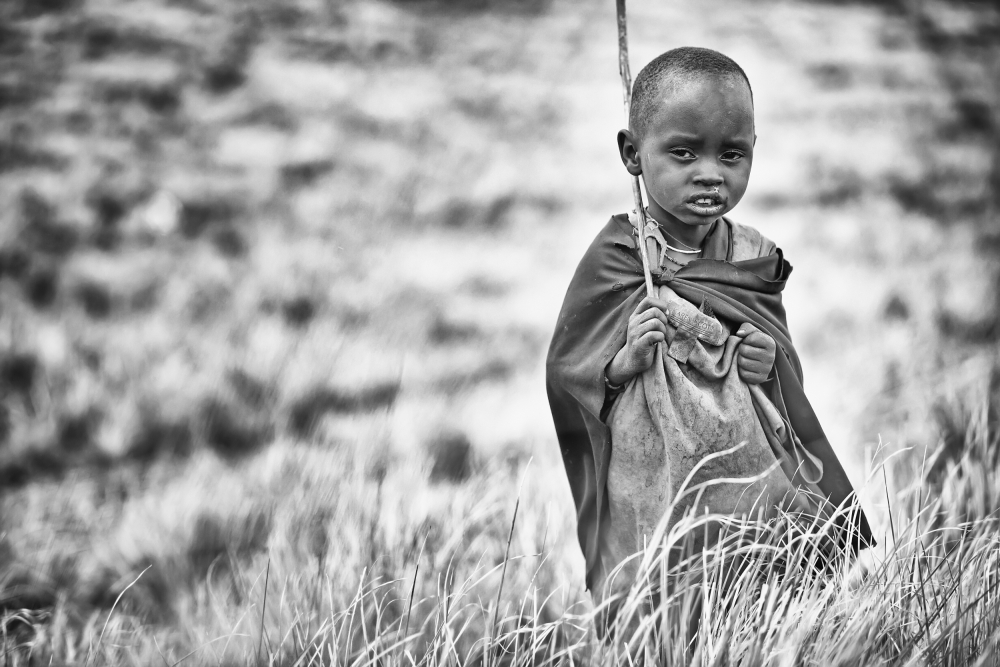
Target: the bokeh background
(277, 279)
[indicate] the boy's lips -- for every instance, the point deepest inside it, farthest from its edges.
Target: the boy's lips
(705, 203)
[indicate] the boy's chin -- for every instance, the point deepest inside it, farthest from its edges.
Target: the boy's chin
(699, 220)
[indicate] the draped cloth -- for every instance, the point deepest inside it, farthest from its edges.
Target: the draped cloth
(739, 279)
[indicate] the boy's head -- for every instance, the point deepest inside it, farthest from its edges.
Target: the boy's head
(691, 135)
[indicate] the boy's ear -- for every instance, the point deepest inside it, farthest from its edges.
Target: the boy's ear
(628, 150)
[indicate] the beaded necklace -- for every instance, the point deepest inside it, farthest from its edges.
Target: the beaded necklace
(686, 250)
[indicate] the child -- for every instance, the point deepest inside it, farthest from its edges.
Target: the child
(643, 387)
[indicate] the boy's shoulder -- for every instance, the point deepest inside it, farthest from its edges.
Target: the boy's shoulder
(605, 250)
(604, 258)
(748, 242)
(618, 231)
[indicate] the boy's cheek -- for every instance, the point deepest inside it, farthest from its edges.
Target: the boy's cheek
(741, 181)
(666, 196)
(736, 195)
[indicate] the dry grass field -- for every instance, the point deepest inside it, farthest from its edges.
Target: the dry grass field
(277, 279)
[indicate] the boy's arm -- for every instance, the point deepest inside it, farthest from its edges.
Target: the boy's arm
(647, 326)
(755, 355)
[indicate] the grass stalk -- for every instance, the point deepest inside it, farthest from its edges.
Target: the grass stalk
(100, 640)
(506, 559)
(263, 609)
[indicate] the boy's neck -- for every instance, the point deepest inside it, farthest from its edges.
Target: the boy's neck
(692, 236)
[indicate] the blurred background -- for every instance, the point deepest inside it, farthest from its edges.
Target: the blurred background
(277, 280)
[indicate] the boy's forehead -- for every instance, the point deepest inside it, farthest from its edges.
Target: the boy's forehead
(726, 88)
(683, 96)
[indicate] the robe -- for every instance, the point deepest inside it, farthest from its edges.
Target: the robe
(739, 279)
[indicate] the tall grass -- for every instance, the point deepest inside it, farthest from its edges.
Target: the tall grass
(778, 592)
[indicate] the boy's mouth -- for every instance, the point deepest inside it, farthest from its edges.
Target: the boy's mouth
(706, 203)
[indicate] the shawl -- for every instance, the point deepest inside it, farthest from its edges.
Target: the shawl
(591, 328)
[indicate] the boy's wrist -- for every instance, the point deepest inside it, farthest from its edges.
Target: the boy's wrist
(617, 372)
(613, 389)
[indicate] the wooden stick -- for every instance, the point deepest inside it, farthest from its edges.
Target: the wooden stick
(626, 75)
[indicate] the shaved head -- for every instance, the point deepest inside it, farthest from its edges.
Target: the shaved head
(675, 68)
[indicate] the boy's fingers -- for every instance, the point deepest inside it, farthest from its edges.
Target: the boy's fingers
(752, 349)
(654, 301)
(651, 302)
(758, 339)
(752, 369)
(652, 313)
(751, 365)
(746, 329)
(651, 338)
(755, 354)
(761, 369)
(651, 324)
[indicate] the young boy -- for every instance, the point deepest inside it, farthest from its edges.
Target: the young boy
(643, 387)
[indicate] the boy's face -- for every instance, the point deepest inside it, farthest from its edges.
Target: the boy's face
(695, 153)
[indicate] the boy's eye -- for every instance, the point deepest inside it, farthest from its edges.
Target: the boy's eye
(732, 156)
(682, 153)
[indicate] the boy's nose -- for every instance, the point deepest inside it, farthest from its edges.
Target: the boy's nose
(708, 177)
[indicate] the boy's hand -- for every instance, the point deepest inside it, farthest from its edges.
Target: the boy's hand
(647, 326)
(755, 355)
